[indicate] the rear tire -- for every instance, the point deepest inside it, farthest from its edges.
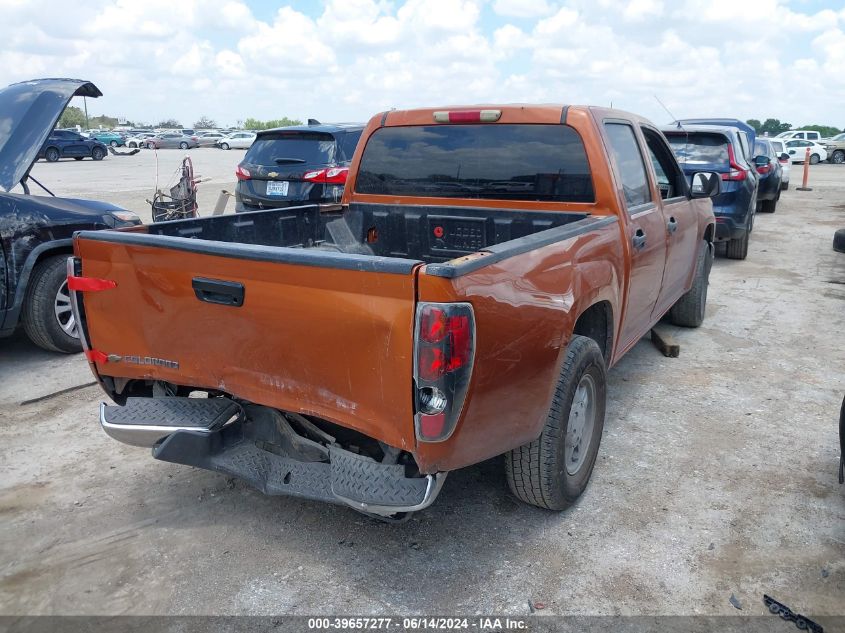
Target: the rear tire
(98, 153)
(838, 157)
(688, 311)
(183, 145)
(769, 206)
(113, 143)
(552, 471)
(224, 146)
(52, 155)
(47, 319)
(784, 186)
(151, 146)
(839, 241)
(814, 159)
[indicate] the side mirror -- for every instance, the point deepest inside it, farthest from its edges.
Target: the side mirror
(784, 156)
(705, 184)
(761, 161)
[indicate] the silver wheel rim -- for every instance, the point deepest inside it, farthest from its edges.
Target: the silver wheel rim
(582, 420)
(64, 314)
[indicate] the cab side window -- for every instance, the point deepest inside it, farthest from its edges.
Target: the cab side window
(629, 164)
(670, 180)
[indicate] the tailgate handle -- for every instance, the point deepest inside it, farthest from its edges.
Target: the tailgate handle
(227, 293)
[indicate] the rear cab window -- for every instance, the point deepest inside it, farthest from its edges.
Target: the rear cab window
(504, 161)
(700, 150)
(286, 147)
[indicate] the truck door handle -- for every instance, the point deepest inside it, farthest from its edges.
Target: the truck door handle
(638, 240)
(227, 293)
(672, 225)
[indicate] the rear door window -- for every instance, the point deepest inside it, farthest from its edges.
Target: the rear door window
(492, 161)
(629, 163)
(280, 148)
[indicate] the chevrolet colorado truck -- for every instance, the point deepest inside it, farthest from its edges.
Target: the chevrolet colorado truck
(484, 270)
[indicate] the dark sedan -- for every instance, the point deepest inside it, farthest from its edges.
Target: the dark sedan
(68, 144)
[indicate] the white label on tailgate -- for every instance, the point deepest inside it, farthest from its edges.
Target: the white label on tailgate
(275, 188)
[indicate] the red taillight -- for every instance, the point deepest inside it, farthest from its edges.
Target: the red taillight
(242, 174)
(445, 347)
(736, 172)
(330, 176)
(764, 169)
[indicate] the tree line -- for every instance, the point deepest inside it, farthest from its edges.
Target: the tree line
(774, 127)
(73, 116)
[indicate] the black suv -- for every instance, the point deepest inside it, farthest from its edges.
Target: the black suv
(295, 165)
(69, 144)
(36, 231)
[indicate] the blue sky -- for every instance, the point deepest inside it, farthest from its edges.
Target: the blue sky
(348, 59)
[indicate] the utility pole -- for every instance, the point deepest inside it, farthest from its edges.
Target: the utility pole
(85, 103)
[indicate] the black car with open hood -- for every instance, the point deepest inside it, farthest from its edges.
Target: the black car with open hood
(36, 230)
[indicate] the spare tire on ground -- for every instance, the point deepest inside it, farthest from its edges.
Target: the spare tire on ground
(839, 241)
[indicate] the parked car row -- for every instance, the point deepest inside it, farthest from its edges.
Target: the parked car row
(750, 168)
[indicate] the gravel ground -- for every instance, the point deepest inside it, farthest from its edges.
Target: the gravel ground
(716, 475)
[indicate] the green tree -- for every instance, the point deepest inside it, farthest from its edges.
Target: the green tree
(774, 127)
(71, 117)
(825, 130)
(755, 123)
(255, 124)
(102, 121)
(169, 123)
(204, 123)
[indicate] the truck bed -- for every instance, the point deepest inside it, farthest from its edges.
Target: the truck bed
(424, 234)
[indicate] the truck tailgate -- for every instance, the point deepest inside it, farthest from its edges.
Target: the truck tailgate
(319, 333)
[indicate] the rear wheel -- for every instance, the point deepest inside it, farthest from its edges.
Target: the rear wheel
(98, 153)
(838, 157)
(839, 241)
(688, 311)
(224, 146)
(52, 154)
(814, 159)
(738, 248)
(183, 145)
(552, 471)
(132, 145)
(769, 206)
(151, 146)
(113, 143)
(47, 316)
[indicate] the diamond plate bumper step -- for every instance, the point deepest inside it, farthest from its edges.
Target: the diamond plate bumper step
(218, 434)
(146, 421)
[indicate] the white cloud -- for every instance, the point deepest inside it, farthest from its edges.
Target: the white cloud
(348, 59)
(522, 8)
(641, 9)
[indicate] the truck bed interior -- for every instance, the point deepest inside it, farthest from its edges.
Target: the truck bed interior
(431, 234)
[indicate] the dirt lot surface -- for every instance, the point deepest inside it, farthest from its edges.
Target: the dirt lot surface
(716, 474)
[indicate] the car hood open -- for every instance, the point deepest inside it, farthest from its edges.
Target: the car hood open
(28, 113)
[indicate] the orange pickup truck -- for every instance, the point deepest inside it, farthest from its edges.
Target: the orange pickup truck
(486, 266)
